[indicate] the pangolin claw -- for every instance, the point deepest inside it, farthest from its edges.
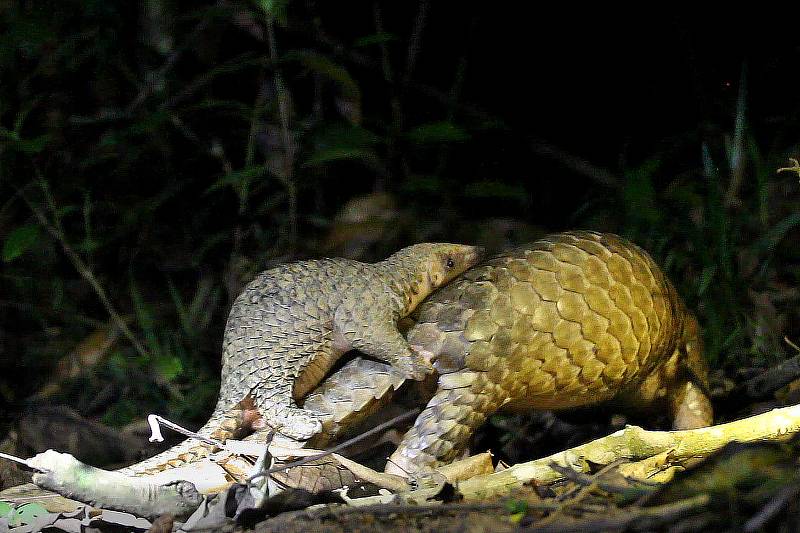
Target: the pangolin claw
(417, 368)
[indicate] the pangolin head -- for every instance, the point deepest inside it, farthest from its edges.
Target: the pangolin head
(428, 266)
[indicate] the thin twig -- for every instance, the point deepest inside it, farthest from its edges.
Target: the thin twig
(383, 509)
(150, 85)
(239, 62)
(386, 65)
(737, 153)
(628, 518)
(414, 48)
(592, 480)
(415, 42)
(215, 150)
(791, 344)
(339, 50)
(155, 430)
(576, 164)
(13, 198)
(445, 149)
(758, 521)
(794, 166)
(23, 462)
(768, 381)
(255, 116)
(57, 233)
(579, 493)
(387, 509)
(341, 446)
(288, 145)
(394, 102)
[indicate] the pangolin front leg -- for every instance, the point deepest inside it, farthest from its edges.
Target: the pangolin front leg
(373, 330)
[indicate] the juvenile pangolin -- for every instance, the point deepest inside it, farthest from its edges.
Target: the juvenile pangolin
(571, 320)
(290, 325)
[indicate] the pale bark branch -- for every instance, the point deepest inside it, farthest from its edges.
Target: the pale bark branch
(655, 456)
(636, 444)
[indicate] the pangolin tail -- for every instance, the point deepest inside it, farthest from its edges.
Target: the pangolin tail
(223, 424)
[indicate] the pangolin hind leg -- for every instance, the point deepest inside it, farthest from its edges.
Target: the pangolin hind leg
(687, 397)
(224, 423)
(291, 376)
(689, 405)
(463, 401)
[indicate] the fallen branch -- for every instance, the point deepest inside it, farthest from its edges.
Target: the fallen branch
(769, 381)
(655, 455)
(113, 490)
(637, 444)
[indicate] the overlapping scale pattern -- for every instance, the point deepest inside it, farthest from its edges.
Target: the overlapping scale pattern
(571, 320)
(290, 325)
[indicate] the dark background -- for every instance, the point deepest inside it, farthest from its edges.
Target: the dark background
(154, 156)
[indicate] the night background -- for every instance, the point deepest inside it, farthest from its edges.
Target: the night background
(155, 156)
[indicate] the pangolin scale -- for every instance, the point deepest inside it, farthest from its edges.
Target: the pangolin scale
(573, 319)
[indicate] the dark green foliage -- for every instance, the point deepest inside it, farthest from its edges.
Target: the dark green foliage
(724, 247)
(743, 481)
(155, 156)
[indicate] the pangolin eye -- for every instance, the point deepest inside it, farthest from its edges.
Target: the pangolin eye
(450, 262)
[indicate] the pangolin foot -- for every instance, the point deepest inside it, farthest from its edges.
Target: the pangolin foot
(415, 368)
(297, 424)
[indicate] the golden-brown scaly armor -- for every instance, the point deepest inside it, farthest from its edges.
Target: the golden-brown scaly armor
(571, 320)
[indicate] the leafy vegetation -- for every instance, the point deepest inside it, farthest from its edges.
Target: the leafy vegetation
(154, 157)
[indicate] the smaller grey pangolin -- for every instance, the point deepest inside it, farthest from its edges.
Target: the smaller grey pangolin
(293, 322)
(290, 325)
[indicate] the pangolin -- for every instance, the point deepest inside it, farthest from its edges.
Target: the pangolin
(573, 319)
(290, 325)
